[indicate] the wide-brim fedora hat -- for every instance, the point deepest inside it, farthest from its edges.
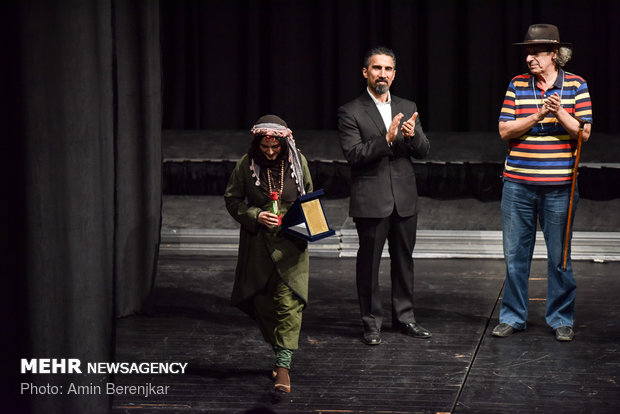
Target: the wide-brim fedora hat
(542, 34)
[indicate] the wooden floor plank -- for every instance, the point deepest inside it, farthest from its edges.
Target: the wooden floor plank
(531, 372)
(189, 319)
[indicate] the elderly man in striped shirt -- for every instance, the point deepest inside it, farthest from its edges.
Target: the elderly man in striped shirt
(538, 121)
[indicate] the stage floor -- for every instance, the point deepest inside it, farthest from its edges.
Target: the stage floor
(461, 369)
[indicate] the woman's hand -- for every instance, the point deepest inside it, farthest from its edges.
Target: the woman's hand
(268, 219)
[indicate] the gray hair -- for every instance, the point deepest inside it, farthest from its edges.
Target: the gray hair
(564, 55)
(381, 50)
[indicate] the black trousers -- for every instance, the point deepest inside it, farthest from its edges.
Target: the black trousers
(400, 232)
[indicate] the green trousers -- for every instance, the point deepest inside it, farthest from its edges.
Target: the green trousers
(278, 312)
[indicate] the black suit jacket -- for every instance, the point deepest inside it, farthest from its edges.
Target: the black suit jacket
(382, 176)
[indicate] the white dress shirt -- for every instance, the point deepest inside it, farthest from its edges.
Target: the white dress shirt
(385, 108)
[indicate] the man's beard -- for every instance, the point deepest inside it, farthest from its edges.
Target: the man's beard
(380, 89)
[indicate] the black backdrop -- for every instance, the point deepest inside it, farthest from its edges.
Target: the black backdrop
(81, 148)
(225, 62)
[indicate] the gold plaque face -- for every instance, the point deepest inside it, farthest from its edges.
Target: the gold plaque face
(315, 218)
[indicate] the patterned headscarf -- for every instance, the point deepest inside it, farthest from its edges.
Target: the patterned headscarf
(274, 126)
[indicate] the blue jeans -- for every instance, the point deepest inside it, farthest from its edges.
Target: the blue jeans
(522, 205)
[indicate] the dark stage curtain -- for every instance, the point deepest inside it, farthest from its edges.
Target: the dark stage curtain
(138, 158)
(225, 62)
(82, 88)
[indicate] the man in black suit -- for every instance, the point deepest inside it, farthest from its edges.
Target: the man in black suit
(380, 151)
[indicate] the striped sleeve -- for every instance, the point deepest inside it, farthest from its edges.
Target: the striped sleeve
(508, 106)
(583, 104)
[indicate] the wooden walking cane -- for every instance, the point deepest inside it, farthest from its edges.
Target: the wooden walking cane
(582, 122)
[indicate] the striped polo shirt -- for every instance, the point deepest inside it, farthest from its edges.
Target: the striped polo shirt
(545, 154)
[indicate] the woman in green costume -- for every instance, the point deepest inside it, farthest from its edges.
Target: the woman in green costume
(271, 279)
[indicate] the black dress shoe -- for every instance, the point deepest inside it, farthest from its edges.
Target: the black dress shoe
(416, 330)
(372, 337)
(502, 330)
(564, 334)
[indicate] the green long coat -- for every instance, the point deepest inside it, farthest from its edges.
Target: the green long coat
(260, 249)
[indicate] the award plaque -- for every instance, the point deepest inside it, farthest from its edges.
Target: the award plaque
(306, 218)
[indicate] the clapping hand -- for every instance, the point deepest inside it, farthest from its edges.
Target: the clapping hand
(553, 103)
(408, 127)
(393, 130)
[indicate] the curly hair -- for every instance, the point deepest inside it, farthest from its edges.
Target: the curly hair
(564, 55)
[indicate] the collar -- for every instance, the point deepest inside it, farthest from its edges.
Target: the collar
(559, 80)
(376, 101)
